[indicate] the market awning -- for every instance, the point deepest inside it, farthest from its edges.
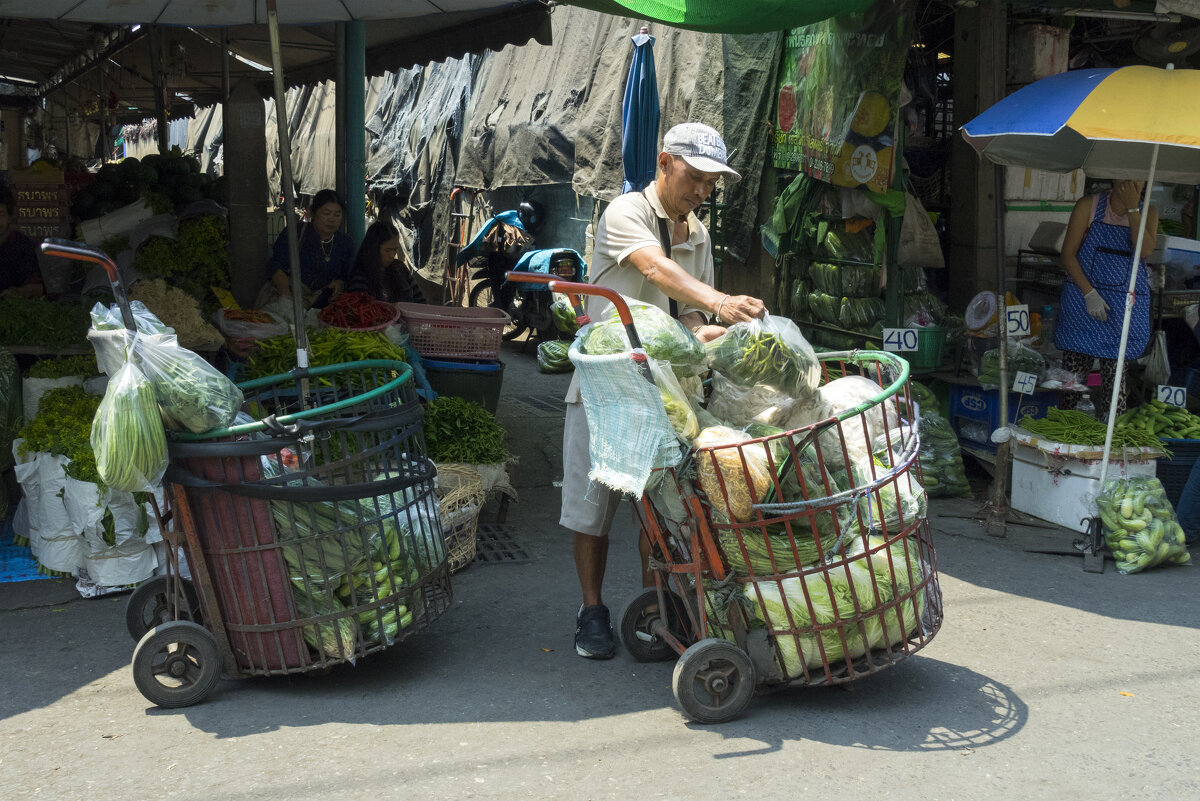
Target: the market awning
(45, 50)
(727, 16)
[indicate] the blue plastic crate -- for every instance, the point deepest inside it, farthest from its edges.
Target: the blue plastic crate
(983, 406)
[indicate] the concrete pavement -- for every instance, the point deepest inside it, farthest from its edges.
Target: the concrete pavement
(1045, 682)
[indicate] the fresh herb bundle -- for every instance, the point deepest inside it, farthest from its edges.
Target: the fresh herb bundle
(457, 430)
(64, 367)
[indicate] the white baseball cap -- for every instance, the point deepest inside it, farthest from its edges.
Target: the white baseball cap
(701, 147)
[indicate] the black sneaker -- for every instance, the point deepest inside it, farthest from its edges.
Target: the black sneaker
(593, 633)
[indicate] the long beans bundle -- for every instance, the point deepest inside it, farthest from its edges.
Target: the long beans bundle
(1072, 427)
(127, 434)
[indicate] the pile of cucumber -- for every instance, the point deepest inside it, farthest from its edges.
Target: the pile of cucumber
(1162, 420)
(1139, 525)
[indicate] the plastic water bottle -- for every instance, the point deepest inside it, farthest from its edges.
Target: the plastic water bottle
(1047, 327)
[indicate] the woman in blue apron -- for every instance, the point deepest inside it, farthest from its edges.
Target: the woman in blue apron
(1097, 252)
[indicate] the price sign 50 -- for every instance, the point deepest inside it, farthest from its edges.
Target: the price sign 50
(899, 339)
(1018, 320)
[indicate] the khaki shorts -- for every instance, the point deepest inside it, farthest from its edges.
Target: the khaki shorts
(588, 506)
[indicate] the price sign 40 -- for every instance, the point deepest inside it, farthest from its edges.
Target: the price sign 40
(899, 339)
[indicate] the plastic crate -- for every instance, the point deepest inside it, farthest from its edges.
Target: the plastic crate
(931, 341)
(478, 382)
(983, 406)
(1174, 472)
(453, 332)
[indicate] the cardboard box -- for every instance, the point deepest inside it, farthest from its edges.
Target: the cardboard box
(1036, 52)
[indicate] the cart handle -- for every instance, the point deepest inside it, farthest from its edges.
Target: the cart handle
(571, 289)
(66, 249)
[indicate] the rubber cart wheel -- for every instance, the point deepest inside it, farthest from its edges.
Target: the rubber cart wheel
(150, 605)
(638, 618)
(481, 298)
(176, 664)
(713, 681)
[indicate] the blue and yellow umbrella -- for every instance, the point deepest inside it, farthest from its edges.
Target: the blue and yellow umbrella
(1130, 122)
(1104, 121)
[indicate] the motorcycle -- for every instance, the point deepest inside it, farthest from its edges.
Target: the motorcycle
(504, 244)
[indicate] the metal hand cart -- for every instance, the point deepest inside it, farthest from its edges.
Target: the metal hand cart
(801, 557)
(310, 527)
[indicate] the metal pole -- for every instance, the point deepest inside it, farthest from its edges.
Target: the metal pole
(224, 65)
(1129, 299)
(998, 499)
(355, 130)
(285, 178)
(339, 112)
(160, 89)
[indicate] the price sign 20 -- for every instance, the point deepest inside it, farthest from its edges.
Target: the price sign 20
(1172, 396)
(899, 339)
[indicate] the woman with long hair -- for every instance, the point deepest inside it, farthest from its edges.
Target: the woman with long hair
(378, 272)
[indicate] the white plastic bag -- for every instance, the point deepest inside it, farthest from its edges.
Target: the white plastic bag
(192, 394)
(127, 434)
(740, 406)
(770, 351)
(60, 550)
(32, 390)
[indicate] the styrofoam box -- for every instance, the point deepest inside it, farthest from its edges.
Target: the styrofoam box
(1064, 491)
(1026, 183)
(1175, 249)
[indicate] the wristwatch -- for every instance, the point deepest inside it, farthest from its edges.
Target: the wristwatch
(1131, 211)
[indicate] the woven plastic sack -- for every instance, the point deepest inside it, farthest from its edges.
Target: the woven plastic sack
(629, 433)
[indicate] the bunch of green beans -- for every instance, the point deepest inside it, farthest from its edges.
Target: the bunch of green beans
(1076, 428)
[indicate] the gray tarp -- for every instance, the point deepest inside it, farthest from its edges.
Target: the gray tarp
(542, 115)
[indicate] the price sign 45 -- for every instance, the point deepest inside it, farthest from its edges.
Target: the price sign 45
(899, 339)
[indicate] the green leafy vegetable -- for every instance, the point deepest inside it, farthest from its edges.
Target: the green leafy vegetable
(63, 367)
(35, 321)
(663, 338)
(457, 430)
(63, 427)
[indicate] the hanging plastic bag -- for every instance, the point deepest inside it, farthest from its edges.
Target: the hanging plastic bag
(1156, 360)
(770, 351)
(1021, 358)
(675, 401)
(1139, 524)
(192, 394)
(127, 434)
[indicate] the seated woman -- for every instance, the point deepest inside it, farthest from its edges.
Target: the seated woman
(19, 271)
(377, 271)
(326, 254)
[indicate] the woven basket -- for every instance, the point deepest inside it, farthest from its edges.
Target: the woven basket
(460, 499)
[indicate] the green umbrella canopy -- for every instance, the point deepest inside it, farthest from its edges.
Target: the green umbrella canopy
(727, 16)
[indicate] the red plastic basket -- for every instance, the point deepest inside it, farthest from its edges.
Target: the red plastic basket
(454, 332)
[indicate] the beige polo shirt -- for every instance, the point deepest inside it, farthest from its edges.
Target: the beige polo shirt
(629, 224)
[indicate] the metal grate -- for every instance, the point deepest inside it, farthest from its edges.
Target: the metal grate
(538, 407)
(494, 543)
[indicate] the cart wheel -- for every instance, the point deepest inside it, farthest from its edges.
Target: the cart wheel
(637, 623)
(150, 604)
(176, 664)
(713, 681)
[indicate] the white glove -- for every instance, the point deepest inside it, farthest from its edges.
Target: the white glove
(1096, 306)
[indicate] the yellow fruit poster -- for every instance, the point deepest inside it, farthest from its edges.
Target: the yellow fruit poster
(839, 90)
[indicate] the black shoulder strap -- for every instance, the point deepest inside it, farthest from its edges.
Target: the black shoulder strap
(664, 237)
